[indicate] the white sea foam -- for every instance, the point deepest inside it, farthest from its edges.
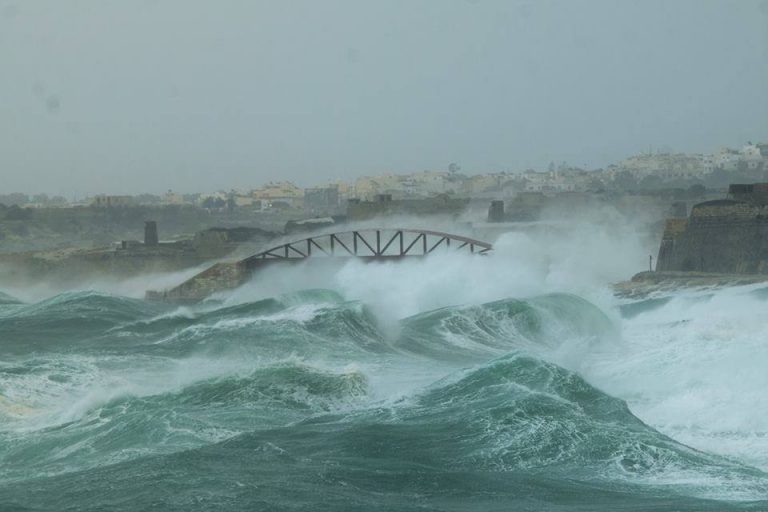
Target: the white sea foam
(695, 368)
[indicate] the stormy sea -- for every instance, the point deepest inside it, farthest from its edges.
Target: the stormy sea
(517, 381)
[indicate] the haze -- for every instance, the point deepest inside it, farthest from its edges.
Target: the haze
(128, 97)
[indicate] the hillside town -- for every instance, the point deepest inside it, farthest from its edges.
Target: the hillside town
(643, 172)
(200, 226)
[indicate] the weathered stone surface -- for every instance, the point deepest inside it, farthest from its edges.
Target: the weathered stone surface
(646, 283)
(220, 277)
(723, 236)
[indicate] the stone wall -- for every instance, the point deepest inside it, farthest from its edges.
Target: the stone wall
(384, 205)
(722, 236)
(219, 277)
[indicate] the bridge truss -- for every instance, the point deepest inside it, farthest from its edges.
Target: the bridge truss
(372, 243)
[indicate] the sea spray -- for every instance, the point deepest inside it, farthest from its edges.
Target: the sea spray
(694, 366)
(510, 380)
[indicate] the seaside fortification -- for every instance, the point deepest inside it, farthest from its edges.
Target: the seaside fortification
(725, 236)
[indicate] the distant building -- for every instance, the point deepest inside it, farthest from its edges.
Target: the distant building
(281, 194)
(485, 184)
(726, 159)
(754, 156)
(417, 184)
(384, 205)
(172, 198)
(104, 201)
(321, 199)
(366, 187)
(241, 201)
(751, 157)
(667, 166)
(16, 198)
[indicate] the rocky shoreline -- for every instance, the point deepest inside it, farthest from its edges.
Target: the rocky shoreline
(645, 283)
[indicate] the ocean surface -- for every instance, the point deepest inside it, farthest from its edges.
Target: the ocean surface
(428, 386)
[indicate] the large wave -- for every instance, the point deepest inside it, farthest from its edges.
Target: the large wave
(446, 386)
(110, 382)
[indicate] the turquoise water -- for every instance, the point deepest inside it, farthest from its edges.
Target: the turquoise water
(307, 401)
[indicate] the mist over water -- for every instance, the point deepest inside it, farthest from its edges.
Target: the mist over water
(516, 379)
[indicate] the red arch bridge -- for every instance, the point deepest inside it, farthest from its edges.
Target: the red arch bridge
(368, 244)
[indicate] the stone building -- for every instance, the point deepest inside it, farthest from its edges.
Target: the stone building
(321, 199)
(667, 166)
(103, 201)
(279, 193)
(384, 205)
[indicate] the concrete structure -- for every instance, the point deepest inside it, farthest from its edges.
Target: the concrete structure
(751, 157)
(667, 166)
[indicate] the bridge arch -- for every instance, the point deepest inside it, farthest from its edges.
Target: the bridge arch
(371, 243)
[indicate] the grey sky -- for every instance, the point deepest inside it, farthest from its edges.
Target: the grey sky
(125, 96)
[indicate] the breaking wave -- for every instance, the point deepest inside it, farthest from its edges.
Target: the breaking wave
(547, 403)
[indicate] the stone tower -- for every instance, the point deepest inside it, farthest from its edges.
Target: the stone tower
(150, 233)
(496, 211)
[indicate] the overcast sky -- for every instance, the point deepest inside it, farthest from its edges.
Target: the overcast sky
(127, 96)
